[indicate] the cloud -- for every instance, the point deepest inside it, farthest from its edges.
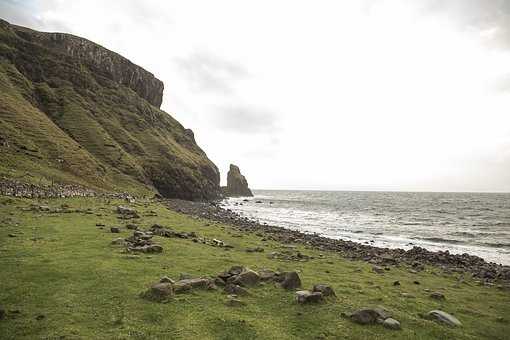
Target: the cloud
(490, 19)
(245, 119)
(209, 73)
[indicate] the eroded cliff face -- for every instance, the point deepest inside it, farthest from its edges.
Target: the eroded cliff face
(99, 59)
(72, 111)
(237, 185)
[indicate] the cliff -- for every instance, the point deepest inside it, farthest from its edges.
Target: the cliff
(74, 112)
(237, 185)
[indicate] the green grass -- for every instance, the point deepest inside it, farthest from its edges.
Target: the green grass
(63, 267)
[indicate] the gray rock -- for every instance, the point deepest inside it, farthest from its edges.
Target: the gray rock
(306, 296)
(290, 281)
(166, 279)
(324, 289)
(378, 270)
(236, 270)
(233, 301)
(235, 289)
(247, 278)
(367, 316)
(267, 275)
(186, 285)
(437, 296)
(132, 226)
(115, 230)
(158, 292)
(391, 324)
(443, 317)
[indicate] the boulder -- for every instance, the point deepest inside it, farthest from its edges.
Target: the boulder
(236, 270)
(115, 230)
(247, 278)
(391, 324)
(324, 289)
(306, 296)
(443, 317)
(158, 292)
(267, 274)
(290, 280)
(186, 285)
(367, 316)
(231, 288)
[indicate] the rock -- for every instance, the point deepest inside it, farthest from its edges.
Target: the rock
(233, 301)
(158, 292)
(219, 282)
(115, 230)
(236, 270)
(378, 270)
(324, 289)
(267, 275)
(437, 296)
(236, 183)
(3, 313)
(290, 281)
(166, 279)
(367, 316)
(186, 285)
(416, 282)
(132, 226)
(119, 241)
(407, 295)
(247, 278)
(306, 296)
(127, 212)
(391, 324)
(443, 317)
(12, 235)
(255, 250)
(231, 288)
(396, 283)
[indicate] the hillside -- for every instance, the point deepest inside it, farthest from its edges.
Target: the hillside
(74, 112)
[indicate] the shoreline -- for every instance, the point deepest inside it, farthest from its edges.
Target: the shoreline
(417, 257)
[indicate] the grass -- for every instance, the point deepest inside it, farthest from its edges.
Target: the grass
(62, 268)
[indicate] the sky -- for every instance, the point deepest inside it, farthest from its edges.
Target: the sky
(323, 95)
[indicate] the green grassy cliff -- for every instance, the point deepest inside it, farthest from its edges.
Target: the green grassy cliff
(72, 111)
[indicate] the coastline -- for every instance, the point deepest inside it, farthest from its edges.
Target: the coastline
(487, 272)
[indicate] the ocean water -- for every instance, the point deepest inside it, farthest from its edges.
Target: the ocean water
(473, 223)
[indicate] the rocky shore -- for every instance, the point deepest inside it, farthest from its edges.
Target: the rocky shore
(417, 257)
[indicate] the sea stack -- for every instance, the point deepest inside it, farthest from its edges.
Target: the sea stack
(237, 185)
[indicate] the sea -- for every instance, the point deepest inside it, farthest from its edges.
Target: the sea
(473, 223)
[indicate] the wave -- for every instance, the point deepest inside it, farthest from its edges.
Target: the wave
(497, 245)
(439, 240)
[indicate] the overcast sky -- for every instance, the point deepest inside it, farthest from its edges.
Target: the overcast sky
(338, 95)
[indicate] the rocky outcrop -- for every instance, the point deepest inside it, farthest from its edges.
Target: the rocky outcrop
(237, 185)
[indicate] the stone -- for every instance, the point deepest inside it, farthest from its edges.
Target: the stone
(12, 235)
(290, 281)
(119, 241)
(236, 270)
(3, 313)
(235, 289)
(237, 185)
(306, 296)
(443, 317)
(233, 301)
(132, 226)
(247, 278)
(186, 285)
(396, 283)
(324, 289)
(158, 292)
(391, 324)
(185, 276)
(367, 316)
(378, 270)
(115, 230)
(437, 296)
(166, 279)
(219, 282)
(267, 274)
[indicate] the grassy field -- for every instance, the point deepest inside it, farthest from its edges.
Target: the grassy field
(60, 278)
